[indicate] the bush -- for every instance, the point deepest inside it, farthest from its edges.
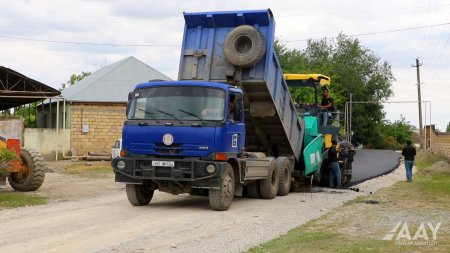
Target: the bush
(6, 156)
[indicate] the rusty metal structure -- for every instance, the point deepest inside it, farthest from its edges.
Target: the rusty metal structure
(28, 171)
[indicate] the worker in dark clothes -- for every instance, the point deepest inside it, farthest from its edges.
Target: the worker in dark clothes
(335, 170)
(327, 105)
(409, 152)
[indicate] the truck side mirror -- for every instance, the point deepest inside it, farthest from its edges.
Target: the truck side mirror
(130, 96)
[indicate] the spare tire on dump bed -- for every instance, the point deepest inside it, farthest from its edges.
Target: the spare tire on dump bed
(244, 46)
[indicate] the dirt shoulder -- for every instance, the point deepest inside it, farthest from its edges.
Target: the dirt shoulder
(361, 224)
(69, 181)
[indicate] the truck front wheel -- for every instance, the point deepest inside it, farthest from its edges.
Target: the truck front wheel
(220, 199)
(139, 194)
(269, 187)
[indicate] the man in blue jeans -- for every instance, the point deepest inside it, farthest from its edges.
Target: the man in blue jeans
(409, 152)
(335, 170)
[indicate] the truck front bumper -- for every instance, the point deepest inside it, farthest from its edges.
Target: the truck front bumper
(189, 170)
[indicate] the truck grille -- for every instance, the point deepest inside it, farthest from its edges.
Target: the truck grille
(168, 151)
(162, 145)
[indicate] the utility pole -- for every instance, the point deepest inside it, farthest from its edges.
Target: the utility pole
(417, 66)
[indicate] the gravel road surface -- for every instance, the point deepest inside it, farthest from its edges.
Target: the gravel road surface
(370, 163)
(108, 223)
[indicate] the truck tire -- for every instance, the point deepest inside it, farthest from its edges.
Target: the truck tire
(244, 46)
(34, 171)
(269, 187)
(220, 199)
(285, 176)
(253, 190)
(139, 194)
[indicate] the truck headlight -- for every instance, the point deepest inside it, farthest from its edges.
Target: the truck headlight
(121, 164)
(211, 168)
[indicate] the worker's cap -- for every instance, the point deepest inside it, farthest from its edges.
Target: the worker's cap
(334, 142)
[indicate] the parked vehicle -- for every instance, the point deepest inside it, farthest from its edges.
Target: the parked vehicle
(28, 171)
(228, 127)
(115, 149)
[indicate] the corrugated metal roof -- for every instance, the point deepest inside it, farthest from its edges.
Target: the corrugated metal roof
(17, 89)
(113, 82)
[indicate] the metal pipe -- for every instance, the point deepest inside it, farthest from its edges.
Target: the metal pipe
(425, 128)
(350, 119)
(64, 113)
(430, 126)
(50, 114)
(64, 127)
(57, 128)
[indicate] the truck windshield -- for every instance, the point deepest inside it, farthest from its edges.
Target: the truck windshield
(178, 103)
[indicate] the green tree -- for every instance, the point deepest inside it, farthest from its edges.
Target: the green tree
(354, 69)
(28, 112)
(448, 128)
(393, 134)
(74, 78)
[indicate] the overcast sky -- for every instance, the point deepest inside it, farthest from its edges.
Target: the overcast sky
(153, 32)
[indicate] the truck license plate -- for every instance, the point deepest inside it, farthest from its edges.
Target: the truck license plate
(163, 164)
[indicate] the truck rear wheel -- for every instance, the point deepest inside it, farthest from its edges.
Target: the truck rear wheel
(33, 174)
(244, 46)
(269, 187)
(139, 194)
(285, 176)
(220, 199)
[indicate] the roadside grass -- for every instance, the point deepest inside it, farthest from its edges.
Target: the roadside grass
(425, 159)
(301, 240)
(360, 224)
(20, 199)
(91, 170)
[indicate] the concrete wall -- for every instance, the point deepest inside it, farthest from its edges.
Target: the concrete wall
(45, 140)
(103, 123)
(438, 141)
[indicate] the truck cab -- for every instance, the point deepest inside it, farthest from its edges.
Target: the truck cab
(181, 131)
(185, 119)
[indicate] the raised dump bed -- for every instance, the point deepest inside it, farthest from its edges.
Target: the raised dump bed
(215, 47)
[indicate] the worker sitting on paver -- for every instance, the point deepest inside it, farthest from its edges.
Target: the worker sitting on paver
(328, 107)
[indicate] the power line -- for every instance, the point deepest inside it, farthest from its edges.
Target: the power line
(177, 45)
(88, 43)
(426, 30)
(382, 32)
(357, 12)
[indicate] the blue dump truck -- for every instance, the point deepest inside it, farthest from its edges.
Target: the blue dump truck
(228, 127)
